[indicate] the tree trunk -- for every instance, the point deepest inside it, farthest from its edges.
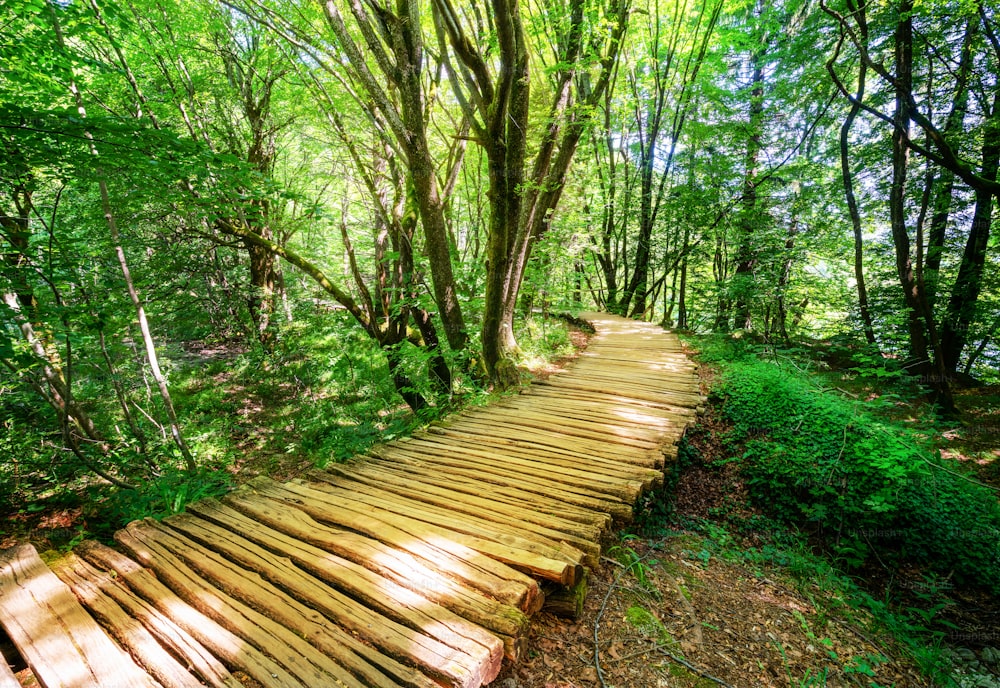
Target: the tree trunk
(746, 258)
(261, 300)
(945, 183)
(852, 206)
(961, 311)
(720, 271)
(58, 395)
(404, 386)
(783, 280)
(682, 313)
(924, 349)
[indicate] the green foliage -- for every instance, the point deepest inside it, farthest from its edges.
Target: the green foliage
(635, 564)
(869, 486)
(648, 624)
(163, 496)
(544, 338)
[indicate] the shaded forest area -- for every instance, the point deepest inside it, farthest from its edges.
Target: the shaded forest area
(253, 236)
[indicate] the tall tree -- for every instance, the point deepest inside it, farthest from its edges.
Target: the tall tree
(496, 98)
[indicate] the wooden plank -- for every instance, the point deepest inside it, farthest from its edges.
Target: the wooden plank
(469, 464)
(7, 677)
(675, 398)
(651, 430)
(309, 545)
(450, 440)
(423, 634)
(560, 564)
(572, 444)
(664, 373)
(59, 641)
(564, 452)
(314, 652)
(558, 427)
(416, 486)
(683, 411)
(501, 581)
(514, 532)
(168, 634)
(628, 377)
(641, 378)
(622, 408)
(541, 503)
(231, 648)
(552, 459)
(664, 362)
(576, 442)
(654, 426)
(485, 513)
(82, 579)
(492, 466)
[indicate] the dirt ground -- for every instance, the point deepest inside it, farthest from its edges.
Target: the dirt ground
(666, 612)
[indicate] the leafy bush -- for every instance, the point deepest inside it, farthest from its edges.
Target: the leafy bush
(168, 494)
(813, 457)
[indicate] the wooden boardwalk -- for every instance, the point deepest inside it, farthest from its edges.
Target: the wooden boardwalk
(419, 564)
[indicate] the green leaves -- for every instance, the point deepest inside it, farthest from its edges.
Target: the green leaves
(869, 486)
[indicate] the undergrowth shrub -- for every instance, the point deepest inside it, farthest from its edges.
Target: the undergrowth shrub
(163, 496)
(871, 487)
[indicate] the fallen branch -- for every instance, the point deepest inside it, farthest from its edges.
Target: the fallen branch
(597, 625)
(691, 667)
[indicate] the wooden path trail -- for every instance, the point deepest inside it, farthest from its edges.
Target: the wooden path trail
(419, 564)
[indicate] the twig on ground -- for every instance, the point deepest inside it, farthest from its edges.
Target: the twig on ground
(691, 667)
(597, 626)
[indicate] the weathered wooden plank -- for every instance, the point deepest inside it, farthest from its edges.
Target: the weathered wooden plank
(417, 486)
(652, 431)
(547, 504)
(212, 671)
(397, 621)
(561, 564)
(680, 411)
(675, 398)
(467, 463)
(552, 460)
(231, 648)
(457, 514)
(622, 380)
(527, 438)
(559, 439)
(564, 428)
(665, 363)
(608, 464)
(605, 409)
(626, 377)
(83, 580)
(7, 677)
(628, 418)
(450, 440)
(303, 660)
(59, 641)
(310, 545)
(501, 581)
